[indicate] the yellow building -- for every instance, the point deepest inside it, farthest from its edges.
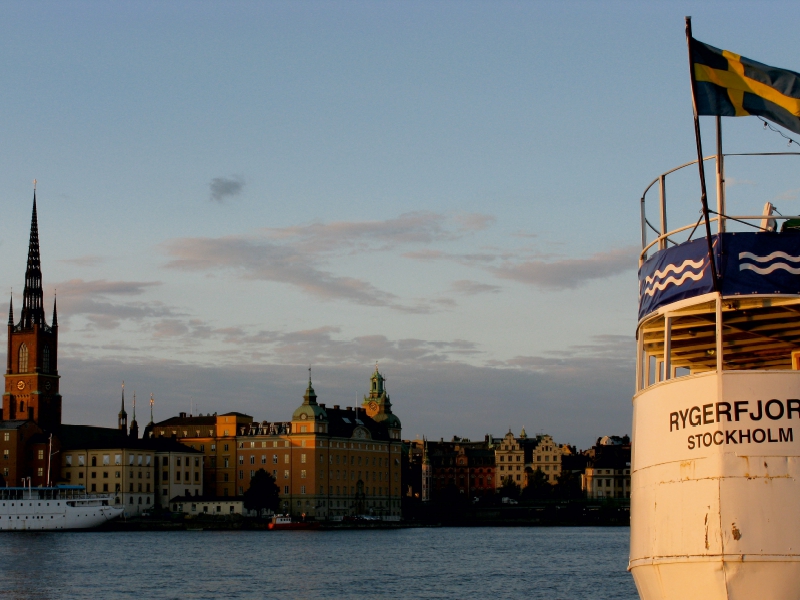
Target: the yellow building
(509, 458)
(546, 457)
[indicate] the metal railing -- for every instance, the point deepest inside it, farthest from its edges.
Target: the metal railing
(664, 234)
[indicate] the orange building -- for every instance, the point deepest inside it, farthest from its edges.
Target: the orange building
(327, 462)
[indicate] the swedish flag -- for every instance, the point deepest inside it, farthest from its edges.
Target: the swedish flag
(730, 85)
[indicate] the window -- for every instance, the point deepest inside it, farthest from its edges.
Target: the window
(286, 474)
(241, 474)
(303, 474)
(40, 454)
(165, 476)
(227, 464)
(263, 459)
(69, 460)
(118, 459)
(23, 359)
(46, 359)
(213, 447)
(147, 460)
(178, 461)
(286, 489)
(6, 437)
(253, 460)
(106, 459)
(252, 473)
(105, 474)
(40, 471)
(94, 487)
(81, 460)
(224, 477)
(225, 447)
(286, 459)
(302, 489)
(197, 476)
(131, 458)
(303, 458)
(241, 459)
(202, 447)
(105, 487)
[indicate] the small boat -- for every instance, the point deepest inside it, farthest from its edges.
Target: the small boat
(286, 522)
(48, 508)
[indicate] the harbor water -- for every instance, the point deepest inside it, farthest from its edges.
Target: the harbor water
(459, 563)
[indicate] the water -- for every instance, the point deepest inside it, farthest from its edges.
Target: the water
(580, 563)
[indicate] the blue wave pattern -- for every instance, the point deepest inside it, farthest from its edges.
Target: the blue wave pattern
(759, 265)
(674, 274)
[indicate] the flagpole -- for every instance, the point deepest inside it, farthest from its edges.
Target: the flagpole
(703, 196)
(720, 178)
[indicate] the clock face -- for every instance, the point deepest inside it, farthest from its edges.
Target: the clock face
(373, 407)
(20, 385)
(47, 385)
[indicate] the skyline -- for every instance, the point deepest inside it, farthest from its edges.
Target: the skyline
(227, 194)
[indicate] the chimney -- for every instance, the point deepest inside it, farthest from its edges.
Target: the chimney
(350, 409)
(336, 407)
(182, 415)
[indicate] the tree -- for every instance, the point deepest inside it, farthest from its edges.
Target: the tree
(538, 486)
(569, 486)
(509, 489)
(262, 494)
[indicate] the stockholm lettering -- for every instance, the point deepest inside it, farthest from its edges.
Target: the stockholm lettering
(739, 436)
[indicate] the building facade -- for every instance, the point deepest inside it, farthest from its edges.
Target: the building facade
(327, 462)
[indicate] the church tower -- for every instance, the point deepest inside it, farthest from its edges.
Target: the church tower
(378, 406)
(122, 416)
(31, 391)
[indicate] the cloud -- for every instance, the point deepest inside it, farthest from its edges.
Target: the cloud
(788, 195)
(733, 181)
(298, 255)
(88, 260)
(260, 259)
(223, 188)
(437, 399)
(471, 288)
(104, 302)
(569, 273)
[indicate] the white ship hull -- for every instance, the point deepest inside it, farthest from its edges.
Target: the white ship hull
(714, 494)
(40, 514)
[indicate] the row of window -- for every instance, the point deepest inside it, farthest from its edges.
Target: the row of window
(137, 459)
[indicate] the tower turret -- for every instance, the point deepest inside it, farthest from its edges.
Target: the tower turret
(378, 406)
(134, 431)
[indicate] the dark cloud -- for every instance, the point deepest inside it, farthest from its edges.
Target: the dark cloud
(224, 188)
(436, 400)
(471, 288)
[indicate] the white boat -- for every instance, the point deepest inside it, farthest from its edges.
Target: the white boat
(47, 508)
(716, 461)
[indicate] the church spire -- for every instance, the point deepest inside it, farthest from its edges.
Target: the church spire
(151, 409)
(122, 417)
(11, 311)
(55, 311)
(32, 309)
(134, 431)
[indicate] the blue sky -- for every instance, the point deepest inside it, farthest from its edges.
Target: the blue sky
(231, 191)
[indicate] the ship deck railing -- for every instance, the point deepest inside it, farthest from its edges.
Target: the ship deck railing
(714, 332)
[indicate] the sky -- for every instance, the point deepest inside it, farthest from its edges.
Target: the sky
(231, 192)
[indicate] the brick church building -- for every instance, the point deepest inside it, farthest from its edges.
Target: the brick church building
(31, 401)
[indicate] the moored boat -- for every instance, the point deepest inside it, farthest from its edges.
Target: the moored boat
(286, 522)
(50, 508)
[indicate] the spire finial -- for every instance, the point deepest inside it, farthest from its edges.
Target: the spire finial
(309, 375)
(34, 186)
(151, 407)
(134, 405)
(11, 309)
